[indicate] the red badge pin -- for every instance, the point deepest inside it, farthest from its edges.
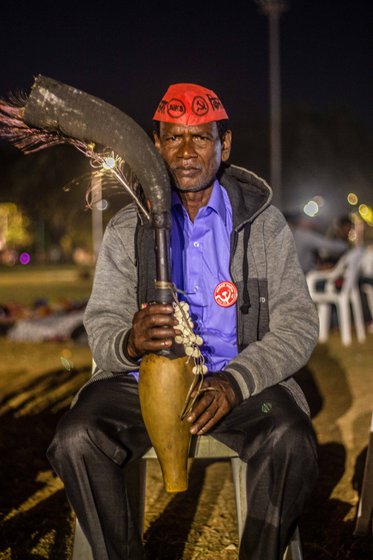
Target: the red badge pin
(225, 294)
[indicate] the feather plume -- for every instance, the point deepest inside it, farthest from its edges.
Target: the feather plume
(30, 140)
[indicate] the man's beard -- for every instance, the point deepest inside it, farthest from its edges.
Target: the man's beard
(197, 188)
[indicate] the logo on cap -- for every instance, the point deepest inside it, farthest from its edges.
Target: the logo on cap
(175, 108)
(199, 106)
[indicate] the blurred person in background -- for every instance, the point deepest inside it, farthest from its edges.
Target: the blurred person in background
(312, 246)
(343, 229)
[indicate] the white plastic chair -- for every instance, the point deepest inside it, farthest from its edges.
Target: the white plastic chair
(347, 269)
(202, 447)
(366, 269)
(368, 289)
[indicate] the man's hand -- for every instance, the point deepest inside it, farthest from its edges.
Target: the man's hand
(216, 400)
(152, 330)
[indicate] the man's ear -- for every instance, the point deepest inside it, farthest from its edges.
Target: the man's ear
(226, 145)
(157, 141)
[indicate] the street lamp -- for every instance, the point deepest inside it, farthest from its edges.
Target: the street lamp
(273, 9)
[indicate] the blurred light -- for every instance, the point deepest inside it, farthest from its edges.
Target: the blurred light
(102, 205)
(24, 258)
(366, 213)
(109, 163)
(66, 363)
(352, 199)
(363, 210)
(311, 208)
(319, 200)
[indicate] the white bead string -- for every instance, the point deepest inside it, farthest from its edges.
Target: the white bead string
(188, 338)
(192, 344)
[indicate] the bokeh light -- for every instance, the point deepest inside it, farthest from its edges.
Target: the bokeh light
(366, 212)
(320, 201)
(65, 359)
(363, 210)
(109, 163)
(24, 258)
(66, 353)
(352, 199)
(102, 205)
(311, 208)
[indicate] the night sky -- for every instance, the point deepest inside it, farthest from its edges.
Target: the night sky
(128, 53)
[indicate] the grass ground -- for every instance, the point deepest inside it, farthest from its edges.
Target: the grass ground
(35, 518)
(26, 284)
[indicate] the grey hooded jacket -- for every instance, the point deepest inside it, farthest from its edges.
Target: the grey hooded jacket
(277, 322)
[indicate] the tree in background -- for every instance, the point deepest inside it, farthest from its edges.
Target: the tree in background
(14, 230)
(49, 187)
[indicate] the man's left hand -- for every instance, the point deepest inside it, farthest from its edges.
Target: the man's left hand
(216, 400)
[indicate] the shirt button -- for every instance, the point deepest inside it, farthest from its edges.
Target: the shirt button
(196, 288)
(196, 244)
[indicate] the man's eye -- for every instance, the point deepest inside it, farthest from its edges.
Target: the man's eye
(201, 139)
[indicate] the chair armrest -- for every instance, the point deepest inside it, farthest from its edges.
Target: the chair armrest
(313, 277)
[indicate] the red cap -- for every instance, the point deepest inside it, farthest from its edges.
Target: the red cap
(190, 104)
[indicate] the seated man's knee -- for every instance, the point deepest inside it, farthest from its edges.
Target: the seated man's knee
(70, 442)
(294, 443)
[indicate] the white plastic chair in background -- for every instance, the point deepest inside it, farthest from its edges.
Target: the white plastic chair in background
(366, 271)
(347, 270)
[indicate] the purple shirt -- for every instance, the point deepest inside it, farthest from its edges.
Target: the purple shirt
(200, 261)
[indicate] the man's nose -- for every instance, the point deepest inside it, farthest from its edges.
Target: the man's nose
(187, 149)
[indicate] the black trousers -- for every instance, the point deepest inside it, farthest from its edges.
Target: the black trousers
(104, 431)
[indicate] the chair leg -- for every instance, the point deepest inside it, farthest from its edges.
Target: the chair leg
(324, 310)
(368, 289)
(81, 547)
(239, 469)
(358, 315)
(294, 550)
(344, 318)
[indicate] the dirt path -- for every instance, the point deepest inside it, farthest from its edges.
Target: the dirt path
(35, 519)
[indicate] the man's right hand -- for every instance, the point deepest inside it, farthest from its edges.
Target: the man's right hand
(152, 330)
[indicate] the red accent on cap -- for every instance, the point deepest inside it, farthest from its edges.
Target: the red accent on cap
(225, 294)
(190, 104)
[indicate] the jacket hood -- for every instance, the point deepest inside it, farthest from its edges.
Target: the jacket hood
(248, 194)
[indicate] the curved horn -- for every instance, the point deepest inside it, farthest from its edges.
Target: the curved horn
(55, 106)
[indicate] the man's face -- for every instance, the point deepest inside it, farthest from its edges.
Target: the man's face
(193, 153)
